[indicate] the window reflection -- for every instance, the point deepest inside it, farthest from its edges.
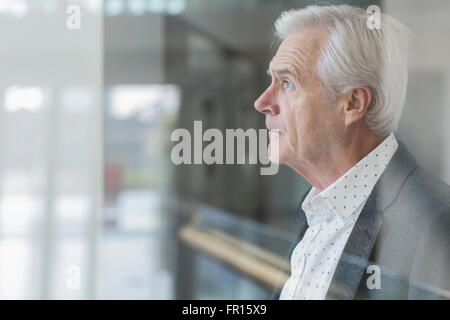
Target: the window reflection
(85, 122)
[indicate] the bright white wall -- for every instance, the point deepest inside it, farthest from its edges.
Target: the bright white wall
(50, 156)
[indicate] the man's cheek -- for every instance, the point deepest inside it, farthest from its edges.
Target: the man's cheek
(294, 130)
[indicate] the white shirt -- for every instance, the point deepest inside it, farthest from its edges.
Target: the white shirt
(331, 216)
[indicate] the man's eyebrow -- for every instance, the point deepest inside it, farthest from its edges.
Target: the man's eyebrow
(282, 72)
(279, 72)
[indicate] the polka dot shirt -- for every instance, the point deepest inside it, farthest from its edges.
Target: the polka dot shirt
(331, 215)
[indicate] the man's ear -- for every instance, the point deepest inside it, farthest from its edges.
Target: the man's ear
(356, 103)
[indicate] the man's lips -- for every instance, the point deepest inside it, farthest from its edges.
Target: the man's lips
(275, 130)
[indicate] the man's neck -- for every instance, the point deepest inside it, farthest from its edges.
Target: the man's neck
(322, 172)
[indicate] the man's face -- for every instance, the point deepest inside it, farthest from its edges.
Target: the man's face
(295, 103)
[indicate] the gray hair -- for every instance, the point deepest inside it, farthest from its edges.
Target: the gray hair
(356, 55)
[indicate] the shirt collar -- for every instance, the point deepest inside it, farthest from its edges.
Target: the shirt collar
(352, 189)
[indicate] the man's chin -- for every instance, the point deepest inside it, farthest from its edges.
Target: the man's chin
(275, 155)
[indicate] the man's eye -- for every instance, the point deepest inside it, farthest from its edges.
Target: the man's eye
(286, 84)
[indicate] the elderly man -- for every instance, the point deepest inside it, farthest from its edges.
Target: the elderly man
(374, 225)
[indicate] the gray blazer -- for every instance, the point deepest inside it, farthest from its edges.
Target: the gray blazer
(403, 230)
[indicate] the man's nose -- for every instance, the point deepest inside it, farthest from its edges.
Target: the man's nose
(266, 103)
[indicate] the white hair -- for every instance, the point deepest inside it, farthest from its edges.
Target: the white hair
(356, 55)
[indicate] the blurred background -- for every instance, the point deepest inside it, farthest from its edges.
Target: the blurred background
(91, 206)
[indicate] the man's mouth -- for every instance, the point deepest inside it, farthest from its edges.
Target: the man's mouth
(272, 131)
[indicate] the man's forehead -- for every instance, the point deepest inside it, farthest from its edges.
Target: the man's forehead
(299, 48)
(292, 60)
